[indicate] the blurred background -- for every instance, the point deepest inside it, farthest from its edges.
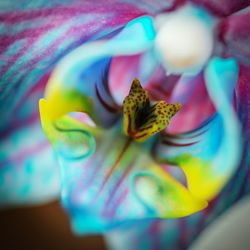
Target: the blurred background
(42, 227)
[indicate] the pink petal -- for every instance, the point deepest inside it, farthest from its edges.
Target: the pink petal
(122, 72)
(222, 7)
(196, 104)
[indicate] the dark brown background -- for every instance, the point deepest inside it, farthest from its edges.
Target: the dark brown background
(42, 228)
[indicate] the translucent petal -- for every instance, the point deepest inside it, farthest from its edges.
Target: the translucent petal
(77, 84)
(210, 154)
(108, 178)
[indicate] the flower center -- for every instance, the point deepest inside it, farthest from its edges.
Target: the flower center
(141, 118)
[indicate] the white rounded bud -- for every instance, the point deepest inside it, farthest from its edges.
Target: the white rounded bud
(184, 43)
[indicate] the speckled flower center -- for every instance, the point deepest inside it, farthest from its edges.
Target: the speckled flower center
(141, 118)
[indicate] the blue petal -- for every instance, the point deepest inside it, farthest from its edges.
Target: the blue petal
(210, 154)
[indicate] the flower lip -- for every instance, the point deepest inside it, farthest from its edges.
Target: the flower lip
(142, 119)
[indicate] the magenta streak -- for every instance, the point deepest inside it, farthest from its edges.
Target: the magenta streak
(179, 145)
(190, 137)
(154, 232)
(121, 8)
(107, 89)
(118, 184)
(91, 167)
(40, 86)
(104, 104)
(14, 58)
(97, 165)
(32, 39)
(30, 33)
(26, 153)
(40, 31)
(235, 179)
(119, 202)
(94, 167)
(243, 167)
(28, 44)
(33, 118)
(33, 62)
(244, 182)
(183, 232)
(238, 173)
(206, 212)
(158, 88)
(158, 92)
(112, 169)
(155, 95)
(28, 66)
(54, 46)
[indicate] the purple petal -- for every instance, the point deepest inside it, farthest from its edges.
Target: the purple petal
(235, 35)
(222, 7)
(243, 93)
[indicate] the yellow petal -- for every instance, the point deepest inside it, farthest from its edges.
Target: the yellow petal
(164, 195)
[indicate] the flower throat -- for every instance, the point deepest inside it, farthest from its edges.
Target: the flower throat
(142, 118)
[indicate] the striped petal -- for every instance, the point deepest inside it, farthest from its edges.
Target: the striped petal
(25, 179)
(108, 179)
(29, 172)
(77, 84)
(35, 37)
(210, 154)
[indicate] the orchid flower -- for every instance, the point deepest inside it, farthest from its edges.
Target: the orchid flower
(107, 176)
(118, 161)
